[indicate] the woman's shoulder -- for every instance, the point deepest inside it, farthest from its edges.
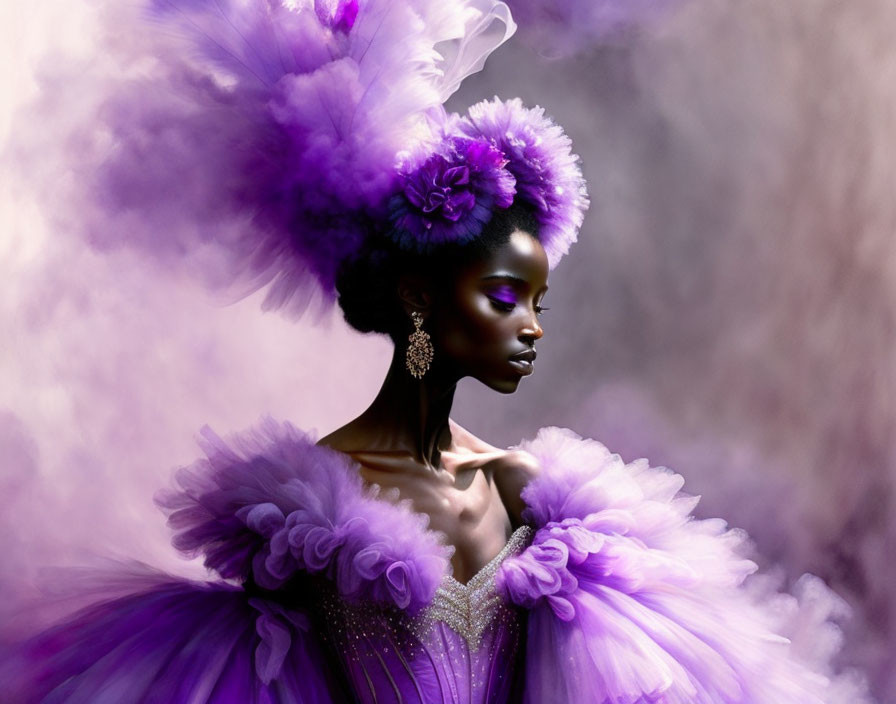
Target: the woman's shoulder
(512, 459)
(512, 469)
(557, 474)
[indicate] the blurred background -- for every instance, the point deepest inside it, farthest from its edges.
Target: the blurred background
(729, 310)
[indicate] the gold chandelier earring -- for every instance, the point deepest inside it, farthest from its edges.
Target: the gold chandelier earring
(419, 354)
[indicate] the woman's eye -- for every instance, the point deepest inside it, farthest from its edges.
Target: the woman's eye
(540, 309)
(501, 305)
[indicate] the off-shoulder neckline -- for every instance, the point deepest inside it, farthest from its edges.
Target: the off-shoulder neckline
(372, 492)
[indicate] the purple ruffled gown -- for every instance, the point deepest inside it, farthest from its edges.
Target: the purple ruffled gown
(612, 593)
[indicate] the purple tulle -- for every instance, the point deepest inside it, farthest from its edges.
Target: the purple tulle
(629, 599)
(340, 15)
(539, 155)
(452, 195)
(271, 504)
(639, 601)
(262, 143)
(173, 640)
(273, 131)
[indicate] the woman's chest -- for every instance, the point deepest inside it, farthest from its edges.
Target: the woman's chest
(466, 508)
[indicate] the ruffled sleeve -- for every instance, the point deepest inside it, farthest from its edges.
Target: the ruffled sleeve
(633, 600)
(270, 504)
(270, 512)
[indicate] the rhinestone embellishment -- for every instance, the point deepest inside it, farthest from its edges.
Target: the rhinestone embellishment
(468, 609)
(420, 350)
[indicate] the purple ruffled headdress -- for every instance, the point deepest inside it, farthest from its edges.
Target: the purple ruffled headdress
(296, 130)
(451, 195)
(539, 155)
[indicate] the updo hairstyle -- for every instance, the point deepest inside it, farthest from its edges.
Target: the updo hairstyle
(368, 283)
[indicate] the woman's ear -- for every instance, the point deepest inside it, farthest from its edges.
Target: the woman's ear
(415, 293)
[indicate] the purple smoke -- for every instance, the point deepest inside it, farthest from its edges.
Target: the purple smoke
(729, 309)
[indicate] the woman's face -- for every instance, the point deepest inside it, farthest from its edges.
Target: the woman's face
(487, 324)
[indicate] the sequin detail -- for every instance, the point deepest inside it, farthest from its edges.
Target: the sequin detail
(461, 648)
(469, 608)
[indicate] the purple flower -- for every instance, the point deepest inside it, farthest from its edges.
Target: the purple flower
(539, 155)
(439, 186)
(450, 196)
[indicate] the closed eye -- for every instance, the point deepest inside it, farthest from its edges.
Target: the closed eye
(501, 305)
(507, 306)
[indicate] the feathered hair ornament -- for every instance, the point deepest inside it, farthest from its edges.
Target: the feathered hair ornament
(290, 132)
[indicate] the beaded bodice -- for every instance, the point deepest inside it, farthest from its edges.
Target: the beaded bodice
(461, 648)
(469, 608)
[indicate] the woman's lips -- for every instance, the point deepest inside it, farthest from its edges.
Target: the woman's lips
(523, 361)
(523, 366)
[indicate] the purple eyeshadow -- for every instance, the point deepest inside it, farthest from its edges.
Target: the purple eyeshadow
(505, 294)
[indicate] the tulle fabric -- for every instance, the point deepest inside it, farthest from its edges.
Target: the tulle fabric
(270, 504)
(171, 640)
(335, 575)
(269, 130)
(633, 600)
(628, 598)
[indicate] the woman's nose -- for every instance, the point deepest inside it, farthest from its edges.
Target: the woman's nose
(532, 330)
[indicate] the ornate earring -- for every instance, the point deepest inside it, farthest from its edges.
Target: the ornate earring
(419, 355)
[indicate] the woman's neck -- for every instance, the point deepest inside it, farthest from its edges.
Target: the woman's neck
(411, 414)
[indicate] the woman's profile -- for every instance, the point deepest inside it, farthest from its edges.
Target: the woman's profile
(401, 558)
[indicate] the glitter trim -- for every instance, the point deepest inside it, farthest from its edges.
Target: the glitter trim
(468, 609)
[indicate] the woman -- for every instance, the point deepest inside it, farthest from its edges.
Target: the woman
(350, 594)
(480, 310)
(400, 558)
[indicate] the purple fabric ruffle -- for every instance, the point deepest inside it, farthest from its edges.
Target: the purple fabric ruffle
(173, 640)
(630, 599)
(547, 173)
(633, 600)
(272, 503)
(451, 195)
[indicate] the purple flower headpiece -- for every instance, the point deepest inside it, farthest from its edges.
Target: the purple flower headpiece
(501, 152)
(539, 155)
(288, 131)
(451, 195)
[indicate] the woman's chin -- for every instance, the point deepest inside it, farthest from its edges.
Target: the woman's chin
(502, 386)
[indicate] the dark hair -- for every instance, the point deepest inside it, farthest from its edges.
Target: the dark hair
(368, 284)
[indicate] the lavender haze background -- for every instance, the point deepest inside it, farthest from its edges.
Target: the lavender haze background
(728, 311)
